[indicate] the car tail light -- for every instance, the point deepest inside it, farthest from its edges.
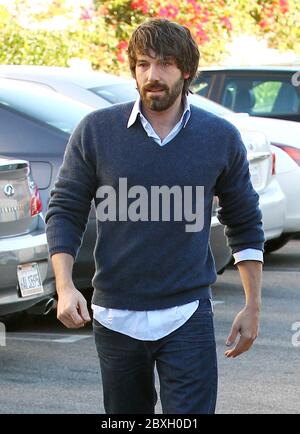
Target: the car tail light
(35, 202)
(273, 163)
(294, 153)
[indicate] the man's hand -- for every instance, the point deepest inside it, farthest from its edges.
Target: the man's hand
(72, 308)
(246, 323)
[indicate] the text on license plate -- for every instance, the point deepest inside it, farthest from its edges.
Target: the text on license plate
(29, 279)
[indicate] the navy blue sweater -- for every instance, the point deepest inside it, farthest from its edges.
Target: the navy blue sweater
(145, 259)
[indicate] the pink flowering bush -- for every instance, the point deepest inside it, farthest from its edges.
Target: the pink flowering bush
(279, 22)
(209, 21)
(212, 22)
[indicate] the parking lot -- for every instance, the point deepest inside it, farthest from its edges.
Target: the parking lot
(46, 368)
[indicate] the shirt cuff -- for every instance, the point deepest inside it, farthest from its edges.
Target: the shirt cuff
(248, 255)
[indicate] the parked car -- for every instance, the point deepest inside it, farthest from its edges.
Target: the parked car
(284, 137)
(90, 84)
(99, 89)
(36, 123)
(26, 278)
(267, 91)
(288, 175)
(262, 166)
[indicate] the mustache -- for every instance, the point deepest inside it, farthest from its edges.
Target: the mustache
(155, 86)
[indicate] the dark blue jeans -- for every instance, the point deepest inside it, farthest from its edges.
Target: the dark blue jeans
(186, 363)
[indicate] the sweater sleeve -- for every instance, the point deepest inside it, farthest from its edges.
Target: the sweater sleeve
(70, 199)
(239, 203)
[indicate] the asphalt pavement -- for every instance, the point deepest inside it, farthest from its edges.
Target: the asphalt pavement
(45, 368)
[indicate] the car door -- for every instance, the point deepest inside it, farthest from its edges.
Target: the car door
(203, 84)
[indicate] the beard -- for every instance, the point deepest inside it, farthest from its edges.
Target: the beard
(160, 102)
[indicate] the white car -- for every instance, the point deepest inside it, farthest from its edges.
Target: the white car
(262, 167)
(92, 88)
(284, 137)
(271, 95)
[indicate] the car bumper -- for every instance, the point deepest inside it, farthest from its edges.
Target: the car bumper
(273, 206)
(23, 250)
(290, 185)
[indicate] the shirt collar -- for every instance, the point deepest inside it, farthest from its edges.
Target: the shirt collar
(136, 110)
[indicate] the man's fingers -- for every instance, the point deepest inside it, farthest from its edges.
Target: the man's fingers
(76, 318)
(72, 309)
(83, 311)
(232, 336)
(70, 324)
(243, 345)
(70, 318)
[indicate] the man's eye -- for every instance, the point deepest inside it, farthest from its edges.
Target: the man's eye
(167, 63)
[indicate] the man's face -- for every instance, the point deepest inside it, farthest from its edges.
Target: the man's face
(159, 83)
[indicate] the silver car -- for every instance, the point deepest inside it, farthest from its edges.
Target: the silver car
(26, 277)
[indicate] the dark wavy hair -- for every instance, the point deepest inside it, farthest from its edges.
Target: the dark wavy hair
(167, 39)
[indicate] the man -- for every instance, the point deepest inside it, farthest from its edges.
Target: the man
(149, 165)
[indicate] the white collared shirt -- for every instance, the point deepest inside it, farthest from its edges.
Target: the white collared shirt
(155, 324)
(137, 112)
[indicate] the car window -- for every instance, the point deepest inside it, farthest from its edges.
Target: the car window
(265, 94)
(116, 93)
(261, 96)
(201, 84)
(43, 105)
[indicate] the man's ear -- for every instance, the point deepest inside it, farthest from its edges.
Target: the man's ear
(186, 75)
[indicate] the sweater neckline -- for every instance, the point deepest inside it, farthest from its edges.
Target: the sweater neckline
(137, 127)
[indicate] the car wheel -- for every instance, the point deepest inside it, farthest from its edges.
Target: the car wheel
(276, 243)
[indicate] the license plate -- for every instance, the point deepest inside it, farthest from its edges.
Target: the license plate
(29, 279)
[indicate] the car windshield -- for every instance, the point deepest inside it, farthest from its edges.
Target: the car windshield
(116, 93)
(43, 104)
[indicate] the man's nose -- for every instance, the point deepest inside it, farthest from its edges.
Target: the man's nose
(153, 73)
